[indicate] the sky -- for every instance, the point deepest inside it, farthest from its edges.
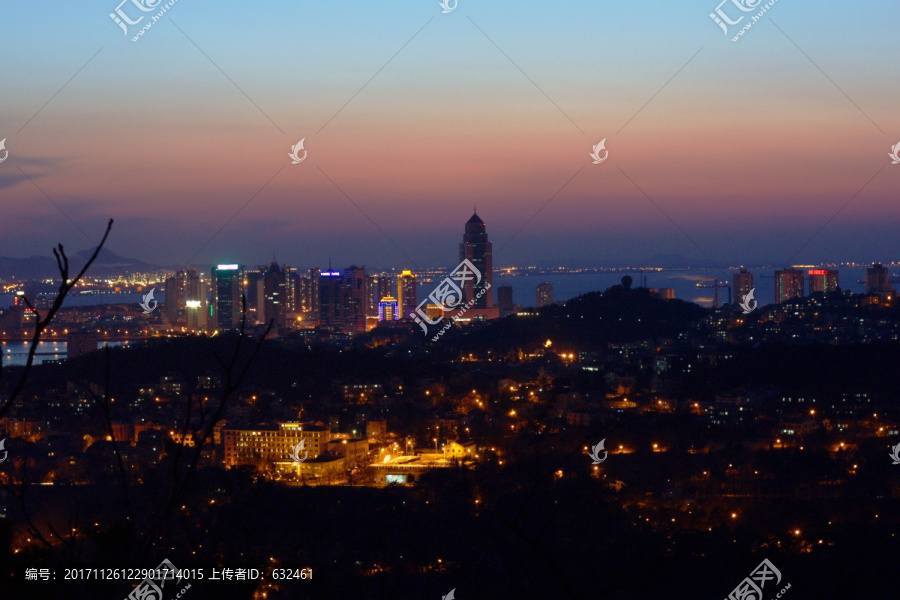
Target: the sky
(769, 150)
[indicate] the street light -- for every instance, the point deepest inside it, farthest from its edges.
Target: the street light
(435, 445)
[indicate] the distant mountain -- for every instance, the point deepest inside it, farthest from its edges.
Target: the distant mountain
(43, 267)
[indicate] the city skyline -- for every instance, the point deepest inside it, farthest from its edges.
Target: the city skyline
(660, 260)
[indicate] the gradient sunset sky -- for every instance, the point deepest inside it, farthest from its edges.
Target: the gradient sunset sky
(750, 149)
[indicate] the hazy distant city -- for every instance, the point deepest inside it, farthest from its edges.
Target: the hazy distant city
(337, 303)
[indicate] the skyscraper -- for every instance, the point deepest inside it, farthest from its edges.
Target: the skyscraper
(877, 281)
(171, 307)
(387, 309)
(291, 282)
(343, 299)
(741, 283)
(379, 287)
(407, 293)
(822, 280)
(372, 297)
(271, 291)
(176, 295)
(197, 307)
(228, 285)
(307, 293)
(358, 286)
(544, 296)
(476, 248)
(332, 304)
(252, 277)
(788, 284)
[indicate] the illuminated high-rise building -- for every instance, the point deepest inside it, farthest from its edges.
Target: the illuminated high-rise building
(822, 280)
(388, 309)
(741, 283)
(197, 305)
(544, 295)
(343, 299)
(407, 293)
(252, 277)
(384, 286)
(291, 282)
(306, 296)
(228, 288)
(372, 297)
(378, 287)
(271, 289)
(332, 300)
(314, 280)
(22, 315)
(788, 284)
(176, 295)
(476, 248)
(358, 285)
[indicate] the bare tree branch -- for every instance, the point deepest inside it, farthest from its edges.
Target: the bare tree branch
(62, 261)
(104, 404)
(182, 486)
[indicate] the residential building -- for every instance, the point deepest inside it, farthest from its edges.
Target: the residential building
(741, 283)
(228, 288)
(263, 446)
(407, 294)
(544, 296)
(822, 280)
(788, 284)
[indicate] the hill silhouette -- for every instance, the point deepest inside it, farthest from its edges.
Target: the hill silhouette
(44, 267)
(590, 321)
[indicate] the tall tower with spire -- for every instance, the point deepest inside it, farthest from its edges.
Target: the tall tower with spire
(479, 251)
